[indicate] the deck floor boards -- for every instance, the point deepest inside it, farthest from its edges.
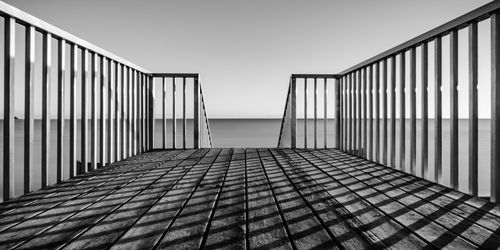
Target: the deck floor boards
(248, 199)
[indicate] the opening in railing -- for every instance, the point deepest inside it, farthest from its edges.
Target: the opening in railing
(317, 124)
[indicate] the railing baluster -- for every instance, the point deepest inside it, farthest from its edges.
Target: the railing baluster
(46, 54)
(365, 117)
(438, 111)
(196, 113)
(129, 112)
(138, 112)
(495, 107)
(83, 147)
(117, 114)
(184, 112)
(29, 133)
(413, 110)
(174, 120)
(110, 111)
(93, 134)
(473, 109)
(293, 122)
(393, 111)
(9, 95)
(325, 113)
(359, 145)
(133, 81)
(376, 69)
(122, 117)
(73, 168)
(352, 123)
(315, 113)
(454, 109)
(61, 59)
(369, 73)
(102, 120)
(151, 111)
(164, 119)
(384, 113)
(344, 112)
(402, 142)
(425, 112)
(305, 112)
(143, 111)
(354, 113)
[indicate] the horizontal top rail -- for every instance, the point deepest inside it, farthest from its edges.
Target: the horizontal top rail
(27, 19)
(187, 75)
(478, 14)
(315, 76)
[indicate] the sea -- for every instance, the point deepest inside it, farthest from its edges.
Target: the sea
(264, 133)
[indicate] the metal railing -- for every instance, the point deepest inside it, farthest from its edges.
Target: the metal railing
(368, 128)
(118, 94)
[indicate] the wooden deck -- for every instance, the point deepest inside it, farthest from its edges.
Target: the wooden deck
(248, 198)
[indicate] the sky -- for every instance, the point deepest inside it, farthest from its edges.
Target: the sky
(245, 51)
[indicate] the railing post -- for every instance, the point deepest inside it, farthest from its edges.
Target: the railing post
(73, 168)
(110, 111)
(325, 113)
(184, 112)
(196, 113)
(61, 58)
(174, 120)
(438, 110)
(402, 118)
(370, 111)
(293, 122)
(338, 109)
(393, 112)
(151, 112)
(384, 112)
(365, 117)
(454, 109)
(473, 109)
(315, 113)
(29, 133)
(84, 121)
(47, 55)
(425, 112)
(413, 110)
(9, 123)
(164, 118)
(305, 112)
(93, 135)
(495, 107)
(102, 120)
(376, 69)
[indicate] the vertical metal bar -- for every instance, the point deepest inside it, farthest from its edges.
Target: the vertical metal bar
(425, 112)
(143, 113)
(393, 111)
(184, 112)
(402, 117)
(454, 109)
(305, 112)
(73, 170)
(325, 113)
(315, 113)
(365, 117)
(438, 111)
(138, 112)
(93, 133)
(129, 112)
(102, 120)
(495, 107)
(122, 116)
(29, 133)
(47, 54)
(196, 113)
(61, 59)
(293, 123)
(164, 119)
(174, 120)
(354, 113)
(370, 111)
(134, 114)
(151, 112)
(473, 109)
(9, 95)
(338, 112)
(413, 110)
(84, 121)
(344, 111)
(117, 114)
(384, 112)
(376, 70)
(360, 114)
(352, 123)
(110, 112)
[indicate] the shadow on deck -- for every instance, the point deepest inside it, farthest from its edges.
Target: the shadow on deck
(237, 198)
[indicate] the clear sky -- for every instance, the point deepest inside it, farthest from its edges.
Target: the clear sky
(246, 50)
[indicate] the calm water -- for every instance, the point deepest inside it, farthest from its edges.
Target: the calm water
(264, 133)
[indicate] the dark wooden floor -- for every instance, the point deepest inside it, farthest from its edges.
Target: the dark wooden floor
(237, 198)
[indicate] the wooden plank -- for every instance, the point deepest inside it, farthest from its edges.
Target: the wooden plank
(325, 208)
(227, 229)
(265, 228)
(148, 230)
(380, 231)
(29, 96)
(473, 110)
(305, 230)
(454, 109)
(46, 65)
(9, 106)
